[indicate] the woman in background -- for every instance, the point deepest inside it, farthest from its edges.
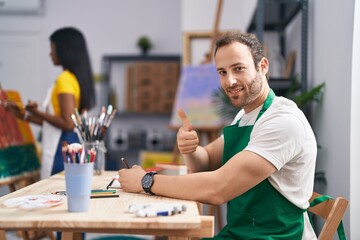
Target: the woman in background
(74, 88)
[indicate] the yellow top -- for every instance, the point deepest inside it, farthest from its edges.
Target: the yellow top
(66, 83)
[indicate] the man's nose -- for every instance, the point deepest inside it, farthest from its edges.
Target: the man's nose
(230, 79)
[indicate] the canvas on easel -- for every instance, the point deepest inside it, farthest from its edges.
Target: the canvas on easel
(9, 131)
(18, 155)
(194, 95)
(24, 127)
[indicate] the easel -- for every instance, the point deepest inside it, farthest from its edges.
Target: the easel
(209, 56)
(23, 178)
(213, 133)
(210, 133)
(22, 134)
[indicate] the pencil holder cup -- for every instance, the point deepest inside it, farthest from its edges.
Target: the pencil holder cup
(99, 163)
(78, 180)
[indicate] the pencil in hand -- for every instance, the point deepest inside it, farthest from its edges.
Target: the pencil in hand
(125, 163)
(111, 182)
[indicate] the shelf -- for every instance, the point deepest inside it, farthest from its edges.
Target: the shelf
(133, 79)
(127, 77)
(275, 15)
(110, 58)
(280, 83)
(126, 58)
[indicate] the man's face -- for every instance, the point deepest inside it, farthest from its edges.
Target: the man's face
(240, 80)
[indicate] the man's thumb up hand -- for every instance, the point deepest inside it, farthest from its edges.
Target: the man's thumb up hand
(187, 138)
(185, 121)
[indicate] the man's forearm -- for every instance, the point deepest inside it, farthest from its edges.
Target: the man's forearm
(197, 161)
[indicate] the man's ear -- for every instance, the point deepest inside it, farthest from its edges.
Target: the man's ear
(264, 66)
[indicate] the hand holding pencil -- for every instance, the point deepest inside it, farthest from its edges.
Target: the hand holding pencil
(130, 179)
(117, 178)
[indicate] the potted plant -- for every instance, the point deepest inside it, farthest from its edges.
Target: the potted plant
(144, 44)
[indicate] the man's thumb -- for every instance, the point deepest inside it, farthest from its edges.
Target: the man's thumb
(186, 123)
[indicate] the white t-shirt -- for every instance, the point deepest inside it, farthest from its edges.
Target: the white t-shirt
(283, 136)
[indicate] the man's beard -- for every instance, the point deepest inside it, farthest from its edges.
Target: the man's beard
(255, 87)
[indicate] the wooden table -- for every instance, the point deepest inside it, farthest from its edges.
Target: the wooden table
(106, 215)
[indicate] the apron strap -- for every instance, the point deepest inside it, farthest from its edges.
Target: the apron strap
(267, 103)
(324, 198)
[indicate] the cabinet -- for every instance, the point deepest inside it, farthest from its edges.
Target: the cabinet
(151, 87)
(274, 16)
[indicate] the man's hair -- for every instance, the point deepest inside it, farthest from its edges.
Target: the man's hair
(248, 39)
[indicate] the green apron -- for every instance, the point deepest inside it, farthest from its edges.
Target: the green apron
(261, 212)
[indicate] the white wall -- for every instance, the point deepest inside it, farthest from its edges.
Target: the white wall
(355, 129)
(331, 41)
(110, 27)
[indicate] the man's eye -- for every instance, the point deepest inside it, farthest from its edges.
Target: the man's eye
(221, 73)
(238, 69)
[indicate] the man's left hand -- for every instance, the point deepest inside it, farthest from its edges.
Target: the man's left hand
(130, 179)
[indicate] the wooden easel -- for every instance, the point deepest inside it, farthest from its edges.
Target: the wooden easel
(209, 56)
(22, 179)
(212, 133)
(207, 134)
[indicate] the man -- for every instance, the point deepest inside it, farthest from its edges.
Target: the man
(264, 163)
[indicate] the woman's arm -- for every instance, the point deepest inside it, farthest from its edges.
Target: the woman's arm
(21, 113)
(64, 122)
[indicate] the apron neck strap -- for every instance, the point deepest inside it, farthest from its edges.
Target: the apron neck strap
(267, 103)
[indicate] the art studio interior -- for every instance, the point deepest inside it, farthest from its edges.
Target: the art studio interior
(150, 58)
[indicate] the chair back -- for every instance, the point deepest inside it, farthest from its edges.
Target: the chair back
(332, 211)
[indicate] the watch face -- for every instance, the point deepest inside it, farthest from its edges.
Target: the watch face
(147, 181)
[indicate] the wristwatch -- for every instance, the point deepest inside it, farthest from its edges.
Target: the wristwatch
(147, 181)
